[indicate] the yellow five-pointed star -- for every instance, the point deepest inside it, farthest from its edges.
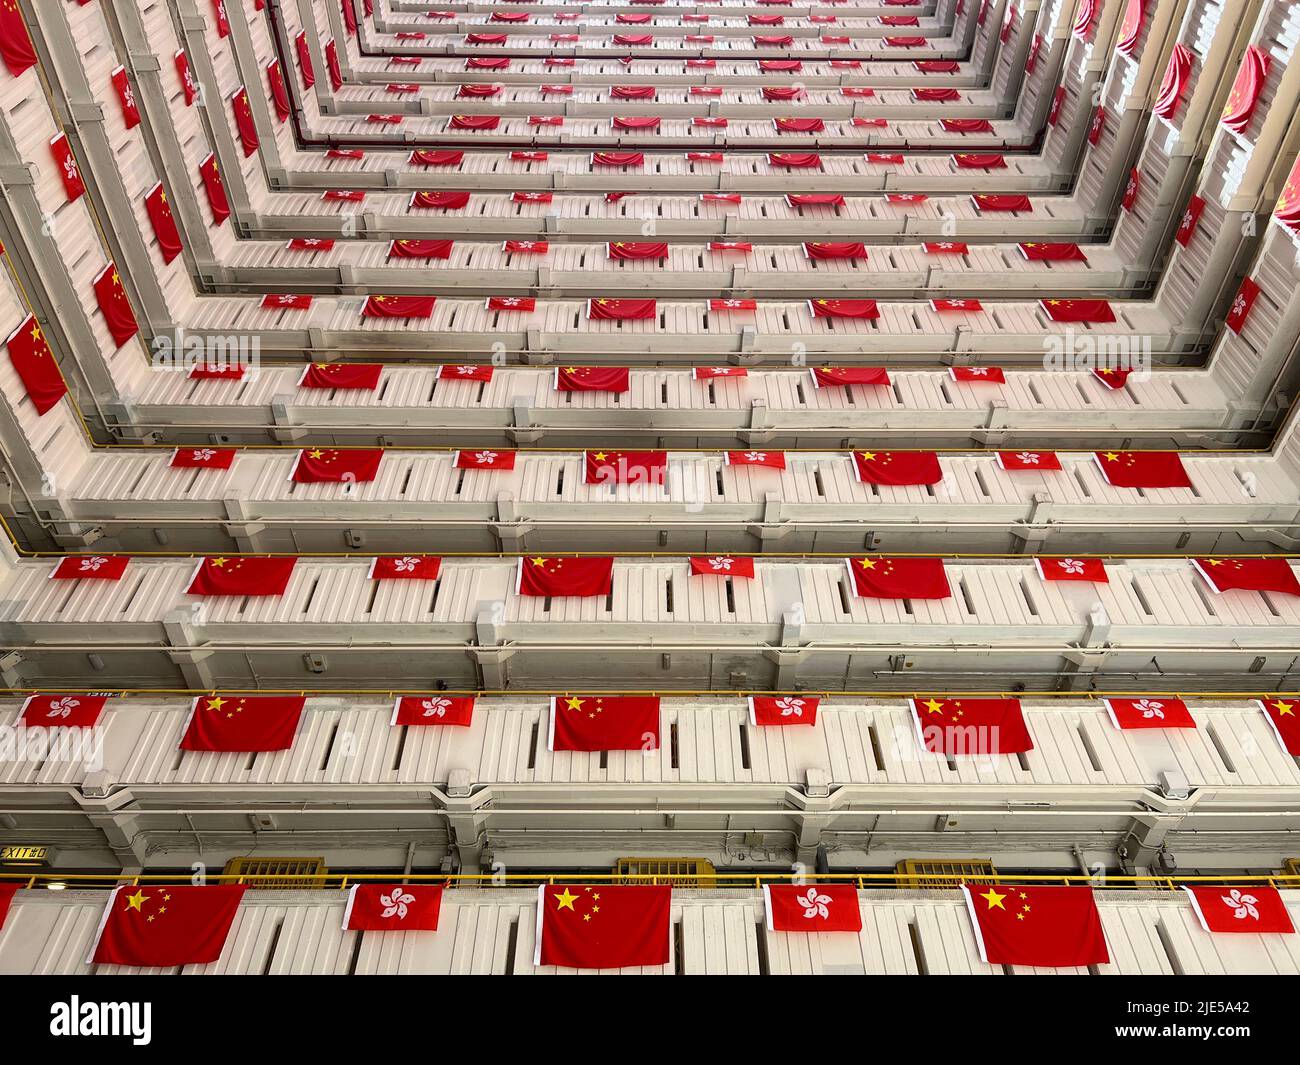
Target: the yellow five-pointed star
(574, 703)
(1284, 709)
(566, 901)
(1110, 456)
(539, 562)
(217, 563)
(216, 702)
(934, 706)
(993, 899)
(868, 455)
(137, 901)
(867, 563)
(600, 456)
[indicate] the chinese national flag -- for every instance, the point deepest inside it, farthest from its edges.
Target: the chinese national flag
(164, 223)
(444, 200)
(203, 458)
(163, 927)
(799, 125)
(966, 125)
(1046, 926)
(843, 376)
(1283, 713)
(897, 467)
(1287, 210)
(1071, 311)
(633, 159)
(90, 568)
(979, 161)
(405, 307)
(405, 568)
(66, 163)
(722, 566)
(542, 575)
(632, 250)
(483, 459)
(634, 122)
(822, 251)
(625, 467)
(244, 123)
(331, 465)
(243, 723)
(1029, 460)
(429, 157)
(589, 927)
(115, 306)
(393, 908)
(975, 375)
(1149, 711)
(35, 365)
(126, 97)
(63, 711)
(880, 577)
(795, 160)
(246, 575)
(345, 375)
(937, 66)
(604, 723)
(592, 379)
(1112, 379)
(15, 42)
(1241, 305)
(1248, 574)
(1143, 469)
(214, 187)
(829, 308)
(971, 726)
(1092, 570)
(621, 310)
(420, 249)
(774, 460)
(304, 60)
(279, 93)
(772, 710)
(1248, 908)
(1052, 253)
(1246, 89)
(812, 908)
(434, 709)
(992, 201)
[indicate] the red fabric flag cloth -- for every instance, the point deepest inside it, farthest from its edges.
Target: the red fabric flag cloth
(775, 710)
(830, 308)
(625, 467)
(722, 566)
(304, 60)
(1075, 311)
(465, 373)
(979, 161)
(163, 221)
(1044, 926)
(905, 197)
(1149, 711)
(1058, 98)
(966, 125)
(781, 92)
(472, 91)
(189, 87)
(279, 93)
(243, 723)
(1283, 715)
(843, 376)
(404, 568)
(1191, 217)
(1177, 75)
(970, 726)
(405, 307)
(217, 371)
(1246, 89)
(543, 575)
(90, 567)
(937, 66)
(420, 249)
(1052, 253)
(938, 96)
(882, 577)
(795, 160)
(815, 199)
(633, 159)
(906, 42)
(897, 467)
(733, 305)
(286, 301)
(1142, 469)
(66, 164)
(215, 188)
(427, 157)
(434, 709)
(345, 375)
(898, 20)
(708, 373)
(166, 926)
(1112, 379)
(603, 723)
(126, 98)
(743, 246)
(474, 122)
(766, 20)
(860, 92)
(15, 42)
(532, 197)
(1131, 189)
(824, 251)
(773, 40)
(635, 122)
(1097, 125)
(812, 908)
(1248, 574)
(329, 465)
(310, 244)
(966, 304)
(393, 908)
(631, 250)
(1287, 210)
(975, 375)
(1241, 305)
(592, 379)
(244, 124)
(203, 458)
(1029, 460)
(63, 711)
(774, 460)
(241, 575)
(1083, 19)
(115, 305)
(588, 927)
(634, 39)
(526, 247)
(34, 362)
(799, 125)
(1131, 28)
(632, 92)
(945, 247)
(1252, 908)
(605, 309)
(991, 201)
(1072, 569)
(440, 201)
(486, 38)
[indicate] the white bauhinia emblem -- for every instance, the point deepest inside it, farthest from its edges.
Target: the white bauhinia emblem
(63, 707)
(70, 168)
(395, 904)
(128, 97)
(1238, 307)
(721, 563)
(945, 245)
(1149, 708)
(485, 458)
(406, 564)
(203, 454)
(1029, 458)
(814, 904)
(465, 371)
(92, 564)
(1071, 565)
(435, 707)
(1187, 220)
(755, 456)
(974, 371)
(720, 371)
(1242, 906)
(790, 708)
(1132, 188)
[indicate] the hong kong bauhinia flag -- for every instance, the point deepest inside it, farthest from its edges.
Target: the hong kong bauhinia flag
(603, 723)
(769, 710)
(812, 908)
(1072, 569)
(166, 926)
(435, 709)
(63, 711)
(405, 568)
(897, 467)
(66, 164)
(241, 575)
(542, 575)
(393, 908)
(1149, 711)
(243, 723)
(722, 566)
(115, 305)
(970, 726)
(1044, 926)
(203, 458)
(603, 927)
(1029, 460)
(90, 567)
(882, 577)
(35, 365)
(332, 465)
(1248, 574)
(484, 458)
(1283, 715)
(1244, 908)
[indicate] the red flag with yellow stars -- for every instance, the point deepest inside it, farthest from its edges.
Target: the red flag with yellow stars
(632, 250)
(346, 375)
(35, 365)
(542, 575)
(966, 125)
(592, 379)
(832, 308)
(164, 223)
(842, 376)
(603, 927)
(603, 723)
(1287, 210)
(305, 66)
(420, 249)
(242, 723)
(1072, 311)
(1143, 469)
(1248, 574)
(115, 305)
(244, 123)
(1246, 89)
(970, 726)
(880, 577)
(1052, 253)
(606, 309)
(332, 465)
(215, 188)
(992, 201)
(1283, 713)
(241, 575)
(897, 467)
(1047, 926)
(406, 307)
(7, 892)
(625, 467)
(279, 92)
(166, 926)
(15, 42)
(442, 200)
